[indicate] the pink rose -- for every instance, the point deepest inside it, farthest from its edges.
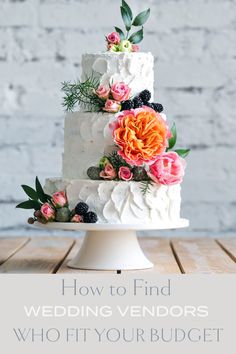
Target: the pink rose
(125, 173)
(59, 199)
(112, 106)
(108, 172)
(168, 169)
(77, 218)
(120, 91)
(48, 212)
(135, 48)
(113, 38)
(103, 92)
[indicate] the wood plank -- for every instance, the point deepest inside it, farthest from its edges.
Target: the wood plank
(40, 255)
(156, 249)
(202, 256)
(66, 270)
(10, 245)
(159, 252)
(229, 246)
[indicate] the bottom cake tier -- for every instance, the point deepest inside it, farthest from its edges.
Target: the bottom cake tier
(120, 202)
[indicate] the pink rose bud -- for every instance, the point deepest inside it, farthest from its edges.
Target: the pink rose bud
(113, 38)
(108, 172)
(135, 48)
(112, 106)
(59, 199)
(113, 47)
(125, 173)
(168, 169)
(77, 218)
(48, 212)
(103, 92)
(120, 91)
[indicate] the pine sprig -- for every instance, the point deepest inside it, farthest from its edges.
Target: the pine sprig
(146, 187)
(116, 160)
(82, 94)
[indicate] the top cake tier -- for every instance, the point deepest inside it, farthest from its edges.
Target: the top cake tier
(135, 69)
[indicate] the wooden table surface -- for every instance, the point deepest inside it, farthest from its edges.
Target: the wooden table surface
(51, 254)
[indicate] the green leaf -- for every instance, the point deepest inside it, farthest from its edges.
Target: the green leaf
(127, 8)
(136, 37)
(121, 33)
(39, 189)
(182, 152)
(126, 18)
(30, 192)
(172, 140)
(29, 204)
(49, 197)
(141, 18)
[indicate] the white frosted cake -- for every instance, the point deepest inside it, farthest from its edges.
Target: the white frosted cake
(135, 69)
(120, 164)
(89, 137)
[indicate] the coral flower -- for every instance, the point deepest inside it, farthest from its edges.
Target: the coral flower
(141, 134)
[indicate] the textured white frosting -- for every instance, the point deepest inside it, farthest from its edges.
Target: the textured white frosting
(135, 69)
(86, 137)
(122, 202)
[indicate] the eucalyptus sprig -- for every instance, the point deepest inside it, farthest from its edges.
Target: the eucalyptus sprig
(82, 94)
(129, 21)
(172, 142)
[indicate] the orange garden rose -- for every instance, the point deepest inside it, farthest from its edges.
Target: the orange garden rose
(141, 134)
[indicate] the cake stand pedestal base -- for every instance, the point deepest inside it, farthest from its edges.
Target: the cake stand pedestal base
(111, 246)
(110, 250)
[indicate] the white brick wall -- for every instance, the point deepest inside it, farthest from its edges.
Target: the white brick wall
(41, 42)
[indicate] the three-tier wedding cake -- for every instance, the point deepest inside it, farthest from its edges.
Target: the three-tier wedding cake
(89, 137)
(119, 152)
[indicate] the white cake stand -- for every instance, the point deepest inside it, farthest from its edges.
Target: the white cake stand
(111, 246)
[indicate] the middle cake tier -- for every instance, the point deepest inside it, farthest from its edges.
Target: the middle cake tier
(87, 137)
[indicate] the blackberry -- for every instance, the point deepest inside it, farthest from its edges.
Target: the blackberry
(81, 208)
(148, 104)
(137, 101)
(145, 95)
(158, 107)
(127, 105)
(90, 217)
